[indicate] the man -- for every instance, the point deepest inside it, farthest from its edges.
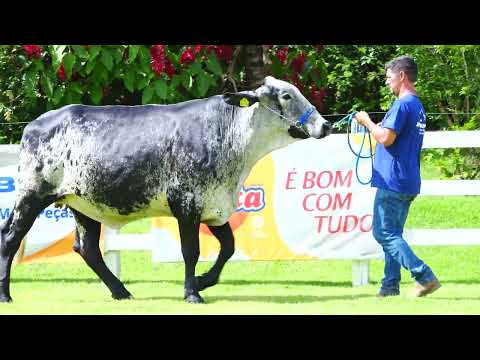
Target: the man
(396, 175)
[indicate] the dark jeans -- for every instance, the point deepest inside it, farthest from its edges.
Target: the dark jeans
(390, 212)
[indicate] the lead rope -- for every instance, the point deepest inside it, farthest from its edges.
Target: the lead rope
(345, 120)
(348, 120)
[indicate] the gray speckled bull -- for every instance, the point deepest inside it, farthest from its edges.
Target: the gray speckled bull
(117, 164)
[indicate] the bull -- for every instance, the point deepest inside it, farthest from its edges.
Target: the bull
(117, 164)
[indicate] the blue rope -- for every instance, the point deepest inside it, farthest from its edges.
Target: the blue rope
(348, 121)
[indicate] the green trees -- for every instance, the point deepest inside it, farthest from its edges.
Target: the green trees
(448, 82)
(38, 78)
(356, 77)
(335, 78)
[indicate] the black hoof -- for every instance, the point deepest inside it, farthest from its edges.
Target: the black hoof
(122, 296)
(194, 299)
(5, 299)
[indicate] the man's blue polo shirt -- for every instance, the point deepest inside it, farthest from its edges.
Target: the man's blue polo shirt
(397, 167)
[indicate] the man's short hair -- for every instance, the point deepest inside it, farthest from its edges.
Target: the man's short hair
(406, 64)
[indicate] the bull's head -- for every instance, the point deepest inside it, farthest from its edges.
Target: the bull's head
(282, 98)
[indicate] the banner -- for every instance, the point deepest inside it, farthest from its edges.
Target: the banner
(300, 202)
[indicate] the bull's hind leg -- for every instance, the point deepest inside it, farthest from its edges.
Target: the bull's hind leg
(87, 237)
(5, 263)
(224, 234)
(12, 232)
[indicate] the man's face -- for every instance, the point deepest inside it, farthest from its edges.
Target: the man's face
(393, 80)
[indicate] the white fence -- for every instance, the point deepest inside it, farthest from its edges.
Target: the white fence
(114, 242)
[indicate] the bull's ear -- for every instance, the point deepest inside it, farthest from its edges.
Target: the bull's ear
(240, 99)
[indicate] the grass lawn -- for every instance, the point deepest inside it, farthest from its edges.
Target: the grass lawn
(261, 287)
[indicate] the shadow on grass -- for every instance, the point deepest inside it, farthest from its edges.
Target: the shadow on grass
(54, 280)
(280, 299)
(236, 282)
(260, 282)
(180, 282)
(456, 298)
(461, 282)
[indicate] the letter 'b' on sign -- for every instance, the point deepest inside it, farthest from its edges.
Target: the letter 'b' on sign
(7, 184)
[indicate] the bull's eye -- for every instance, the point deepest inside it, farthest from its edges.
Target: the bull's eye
(286, 97)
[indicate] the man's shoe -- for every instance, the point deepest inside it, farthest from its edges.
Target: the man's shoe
(427, 288)
(386, 293)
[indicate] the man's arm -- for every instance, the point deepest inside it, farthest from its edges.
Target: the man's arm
(384, 136)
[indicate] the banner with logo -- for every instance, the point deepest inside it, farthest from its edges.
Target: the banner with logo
(300, 202)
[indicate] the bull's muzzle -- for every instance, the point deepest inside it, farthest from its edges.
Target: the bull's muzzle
(326, 129)
(319, 128)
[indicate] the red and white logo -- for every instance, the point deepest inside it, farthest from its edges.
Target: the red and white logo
(251, 199)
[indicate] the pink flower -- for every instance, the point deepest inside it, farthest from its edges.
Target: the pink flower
(197, 49)
(33, 50)
(169, 69)
(281, 54)
(159, 62)
(157, 58)
(296, 81)
(157, 65)
(157, 52)
(211, 48)
(317, 96)
(224, 52)
(187, 56)
(61, 72)
(298, 64)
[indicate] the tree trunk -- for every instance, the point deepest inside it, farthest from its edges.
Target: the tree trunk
(443, 105)
(252, 58)
(254, 66)
(467, 77)
(229, 84)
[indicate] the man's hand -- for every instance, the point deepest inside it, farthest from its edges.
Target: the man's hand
(384, 136)
(362, 118)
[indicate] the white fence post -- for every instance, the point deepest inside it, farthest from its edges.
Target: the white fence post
(111, 257)
(113, 261)
(360, 272)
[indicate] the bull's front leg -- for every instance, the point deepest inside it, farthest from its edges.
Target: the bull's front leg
(188, 217)
(224, 235)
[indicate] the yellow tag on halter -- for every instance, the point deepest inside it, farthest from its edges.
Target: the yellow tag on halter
(244, 102)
